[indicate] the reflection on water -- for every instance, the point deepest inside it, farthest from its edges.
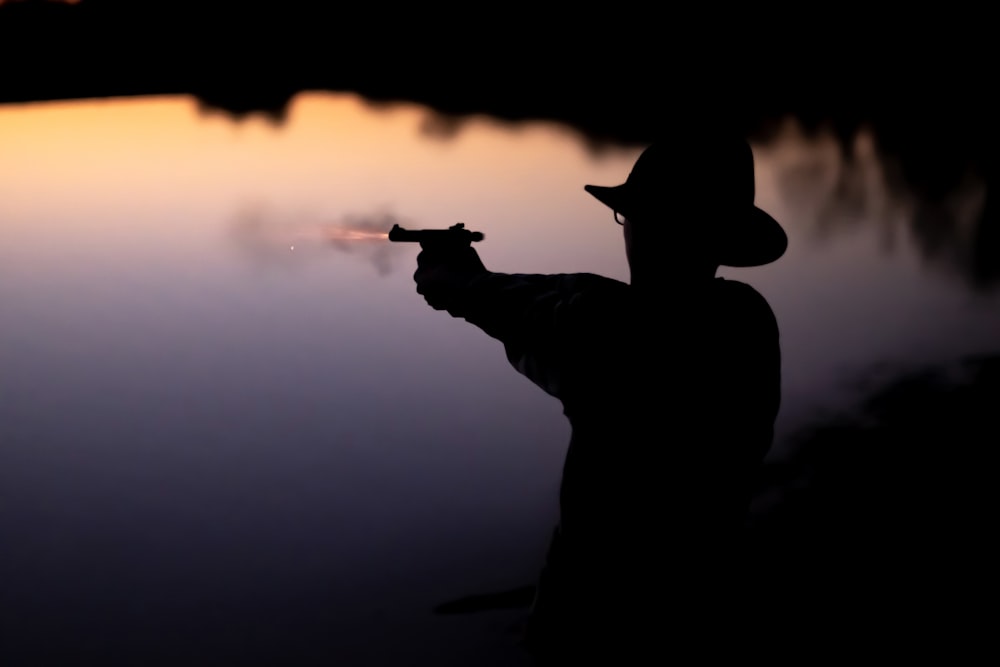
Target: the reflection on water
(229, 424)
(836, 188)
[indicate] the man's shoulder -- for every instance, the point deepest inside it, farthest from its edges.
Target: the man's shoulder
(744, 300)
(738, 290)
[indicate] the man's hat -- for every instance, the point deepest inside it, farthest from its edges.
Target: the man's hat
(711, 178)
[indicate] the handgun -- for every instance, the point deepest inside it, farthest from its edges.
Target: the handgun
(455, 236)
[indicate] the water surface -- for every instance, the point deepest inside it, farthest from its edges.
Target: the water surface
(230, 427)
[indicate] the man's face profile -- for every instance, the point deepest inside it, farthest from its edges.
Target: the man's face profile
(642, 240)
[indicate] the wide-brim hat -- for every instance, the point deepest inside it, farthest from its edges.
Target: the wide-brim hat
(706, 182)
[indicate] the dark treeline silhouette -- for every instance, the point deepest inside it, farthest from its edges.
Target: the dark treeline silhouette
(922, 84)
(948, 192)
(613, 73)
(938, 168)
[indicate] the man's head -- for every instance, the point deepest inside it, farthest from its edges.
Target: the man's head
(694, 197)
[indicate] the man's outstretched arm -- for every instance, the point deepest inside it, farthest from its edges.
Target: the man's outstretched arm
(533, 315)
(512, 307)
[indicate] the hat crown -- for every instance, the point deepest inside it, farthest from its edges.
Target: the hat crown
(718, 172)
(702, 189)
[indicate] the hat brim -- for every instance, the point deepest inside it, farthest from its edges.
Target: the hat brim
(750, 237)
(753, 239)
(613, 197)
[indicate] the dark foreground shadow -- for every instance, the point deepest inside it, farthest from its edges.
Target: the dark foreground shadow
(875, 536)
(878, 533)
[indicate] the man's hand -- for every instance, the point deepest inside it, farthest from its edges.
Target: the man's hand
(443, 274)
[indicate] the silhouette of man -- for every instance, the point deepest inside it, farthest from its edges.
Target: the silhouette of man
(671, 384)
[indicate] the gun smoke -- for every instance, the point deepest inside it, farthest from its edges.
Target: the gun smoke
(272, 239)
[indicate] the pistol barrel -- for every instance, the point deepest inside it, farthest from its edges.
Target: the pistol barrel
(457, 233)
